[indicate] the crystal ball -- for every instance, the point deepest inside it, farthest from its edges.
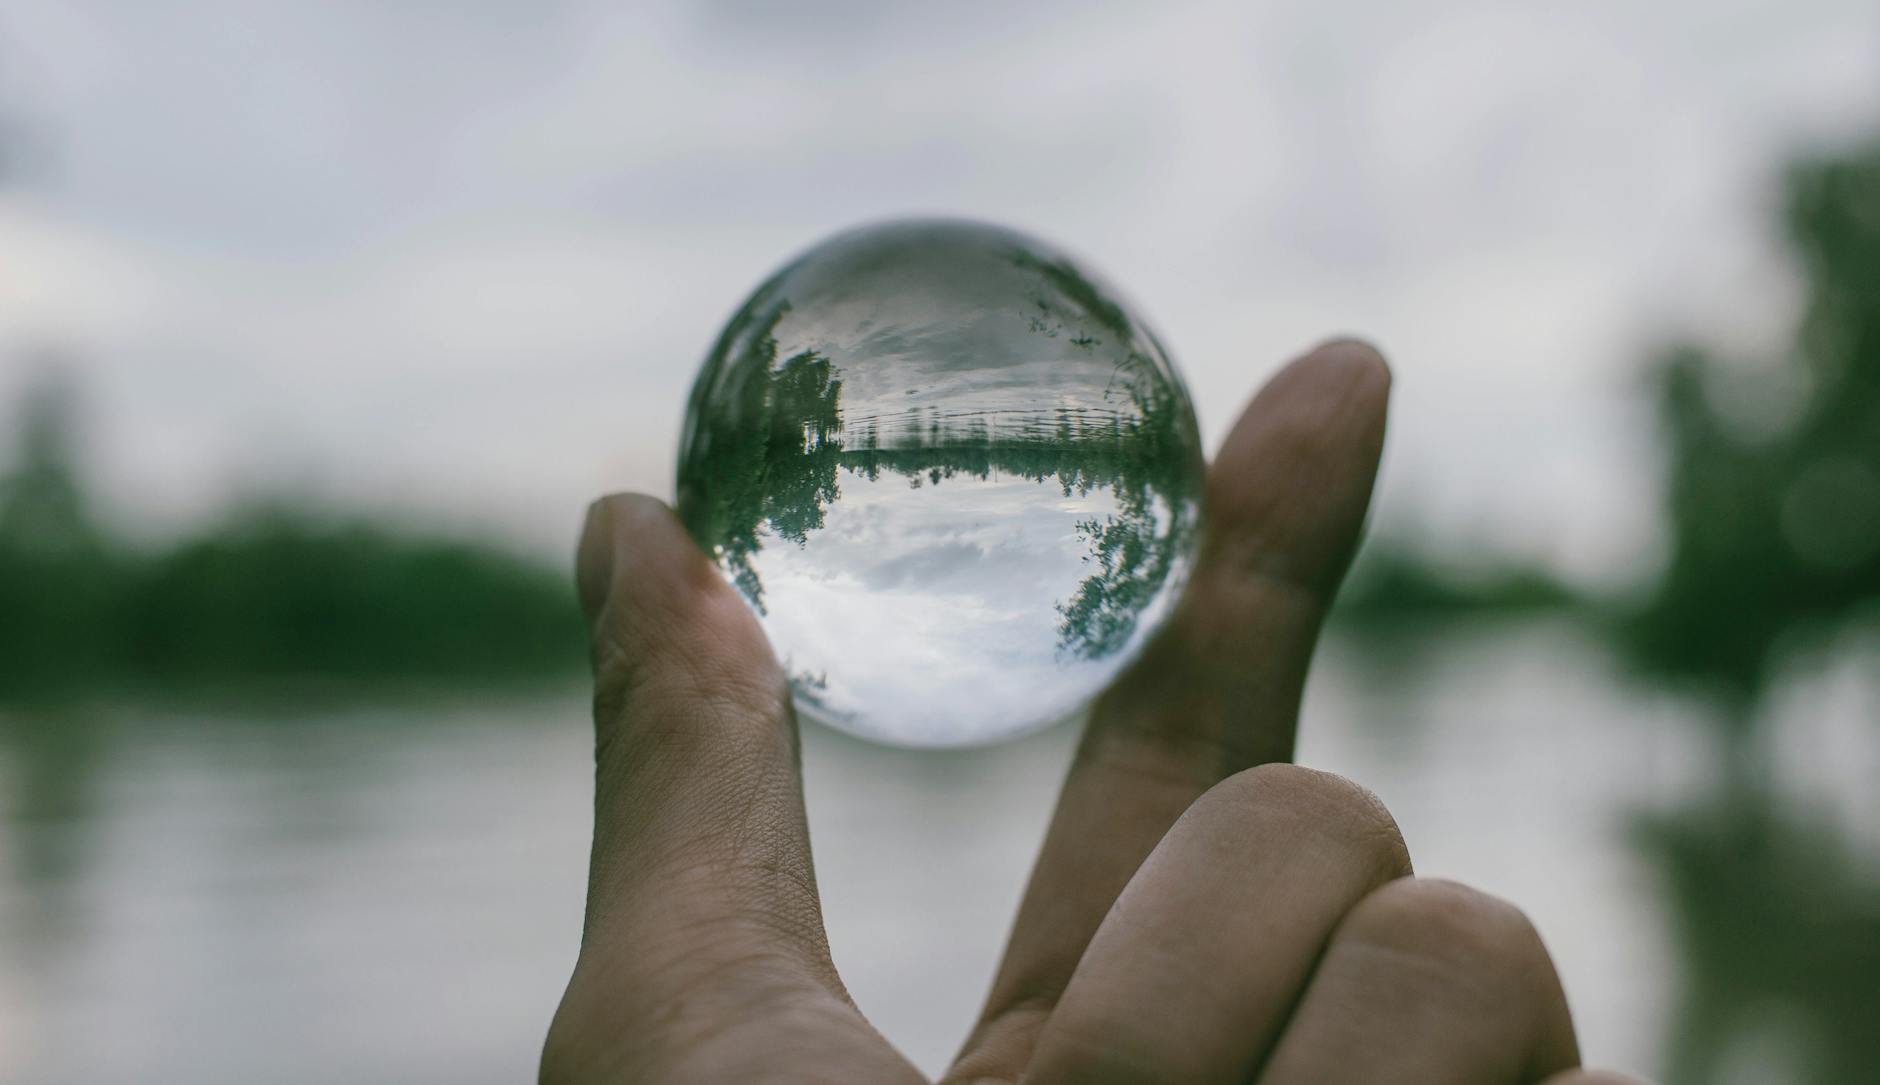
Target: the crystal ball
(955, 476)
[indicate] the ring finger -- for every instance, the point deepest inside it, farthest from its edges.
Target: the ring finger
(1429, 981)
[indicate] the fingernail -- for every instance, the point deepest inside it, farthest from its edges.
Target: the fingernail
(1344, 339)
(594, 559)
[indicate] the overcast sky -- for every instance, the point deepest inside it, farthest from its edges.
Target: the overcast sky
(462, 260)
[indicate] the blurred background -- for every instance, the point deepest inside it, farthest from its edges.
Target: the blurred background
(320, 324)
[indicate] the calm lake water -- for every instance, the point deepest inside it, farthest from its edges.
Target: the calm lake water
(393, 894)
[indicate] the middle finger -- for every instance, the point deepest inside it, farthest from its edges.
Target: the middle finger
(1195, 969)
(1218, 689)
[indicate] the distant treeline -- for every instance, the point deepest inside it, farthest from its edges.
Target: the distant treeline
(272, 597)
(267, 596)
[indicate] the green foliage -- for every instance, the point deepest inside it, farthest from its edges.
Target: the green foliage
(268, 596)
(1775, 542)
(1777, 932)
(1775, 531)
(277, 594)
(1394, 587)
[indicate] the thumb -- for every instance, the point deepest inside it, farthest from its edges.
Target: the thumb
(700, 842)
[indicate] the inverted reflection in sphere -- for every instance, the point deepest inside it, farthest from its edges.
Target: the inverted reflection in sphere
(957, 480)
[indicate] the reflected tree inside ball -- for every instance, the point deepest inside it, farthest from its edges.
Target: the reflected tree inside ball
(956, 478)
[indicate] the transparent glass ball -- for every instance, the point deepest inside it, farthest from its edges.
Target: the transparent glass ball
(956, 478)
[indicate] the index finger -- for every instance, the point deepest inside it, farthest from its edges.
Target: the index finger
(1218, 689)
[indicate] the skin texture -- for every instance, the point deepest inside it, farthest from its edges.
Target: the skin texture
(1201, 911)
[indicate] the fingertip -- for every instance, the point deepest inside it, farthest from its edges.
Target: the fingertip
(1353, 365)
(1330, 400)
(1290, 487)
(620, 532)
(594, 558)
(1354, 346)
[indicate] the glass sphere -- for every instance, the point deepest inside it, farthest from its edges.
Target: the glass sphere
(955, 477)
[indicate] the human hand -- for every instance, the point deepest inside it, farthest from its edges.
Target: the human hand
(1202, 910)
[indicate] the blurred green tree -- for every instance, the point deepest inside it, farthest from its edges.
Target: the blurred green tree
(60, 580)
(1775, 530)
(1774, 546)
(42, 510)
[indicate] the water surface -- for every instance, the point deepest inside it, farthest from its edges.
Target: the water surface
(393, 895)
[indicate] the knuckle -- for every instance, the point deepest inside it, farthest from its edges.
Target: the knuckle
(1112, 1051)
(714, 666)
(1318, 804)
(617, 674)
(1451, 925)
